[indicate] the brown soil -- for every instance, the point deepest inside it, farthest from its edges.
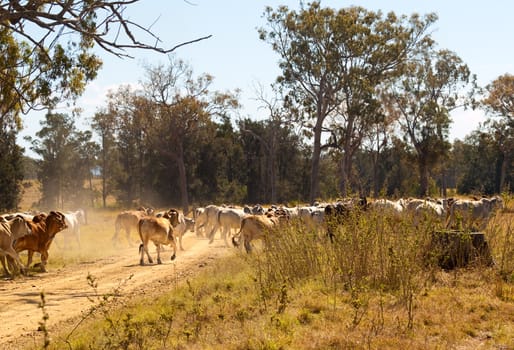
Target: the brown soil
(66, 290)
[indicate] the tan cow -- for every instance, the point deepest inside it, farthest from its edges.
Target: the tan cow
(44, 228)
(128, 221)
(10, 231)
(256, 227)
(159, 230)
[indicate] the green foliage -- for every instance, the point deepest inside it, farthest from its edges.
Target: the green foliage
(333, 62)
(11, 170)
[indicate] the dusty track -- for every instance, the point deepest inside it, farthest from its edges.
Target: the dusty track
(66, 290)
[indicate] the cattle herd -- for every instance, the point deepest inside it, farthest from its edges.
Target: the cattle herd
(34, 232)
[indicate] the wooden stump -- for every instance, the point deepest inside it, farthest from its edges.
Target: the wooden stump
(451, 249)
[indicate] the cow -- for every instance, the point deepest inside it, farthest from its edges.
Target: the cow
(472, 215)
(159, 230)
(183, 225)
(429, 210)
(128, 220)
(390, 207)
(256, 227)
(336, 214)
(74, 219)
(228, 219)
(200, 218)
(210, 221)
(10, 231)
(44, 228)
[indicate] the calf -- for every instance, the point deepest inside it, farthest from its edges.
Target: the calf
(159, 230)
(10, 231)
(44, 228)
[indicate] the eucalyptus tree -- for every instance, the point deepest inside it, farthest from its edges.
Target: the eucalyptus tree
(126, 115)
(332, 61)
(65, 160)
(48, 47)
(181, 104)
(433, 84)
(50, 51)
(499, 101)
(104, 124)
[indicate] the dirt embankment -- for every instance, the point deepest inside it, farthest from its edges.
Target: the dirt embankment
(66, 290)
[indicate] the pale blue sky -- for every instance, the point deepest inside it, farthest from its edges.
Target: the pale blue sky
(481, 33)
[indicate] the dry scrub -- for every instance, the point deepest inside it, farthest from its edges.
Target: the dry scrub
(373, 288)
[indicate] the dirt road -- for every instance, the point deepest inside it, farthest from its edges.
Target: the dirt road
(66, 290)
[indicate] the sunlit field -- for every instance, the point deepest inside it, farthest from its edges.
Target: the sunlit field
(373, 288)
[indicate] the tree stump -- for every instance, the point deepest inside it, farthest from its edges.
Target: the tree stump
(451, 249)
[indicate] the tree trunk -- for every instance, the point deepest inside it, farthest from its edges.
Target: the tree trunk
(503, 172)
(182, 180)
(423, 177)
(345, 168)
(104, 173)
(316, 152)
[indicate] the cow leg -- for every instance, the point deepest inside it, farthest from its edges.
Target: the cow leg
(127, 231)
(3, 260)
(174, 245)
(17, 264)
(212, 233)
(142, 254)
(180, 242)
(150, 260)
(44, 260)
(30, 254)
(158, 246)
(225, 234)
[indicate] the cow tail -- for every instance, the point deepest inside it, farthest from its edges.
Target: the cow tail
(141, 248)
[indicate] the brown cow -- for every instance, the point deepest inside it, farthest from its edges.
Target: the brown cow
(10, 231)
(44, 228)
(159, 230)
(128, 220)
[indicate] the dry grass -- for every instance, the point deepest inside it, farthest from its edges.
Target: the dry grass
(260, 302)
(370, 293)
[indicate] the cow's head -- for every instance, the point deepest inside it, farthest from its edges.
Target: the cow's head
(55, 222)
(172, 216)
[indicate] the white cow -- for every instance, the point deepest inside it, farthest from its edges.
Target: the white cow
(473, 215)
(73, 219)
(211, 220)
(429, 210)
(200, 218)
(10, 231)
(229, 219)
(388, 207)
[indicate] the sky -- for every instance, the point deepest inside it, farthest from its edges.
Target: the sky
(480, 33)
